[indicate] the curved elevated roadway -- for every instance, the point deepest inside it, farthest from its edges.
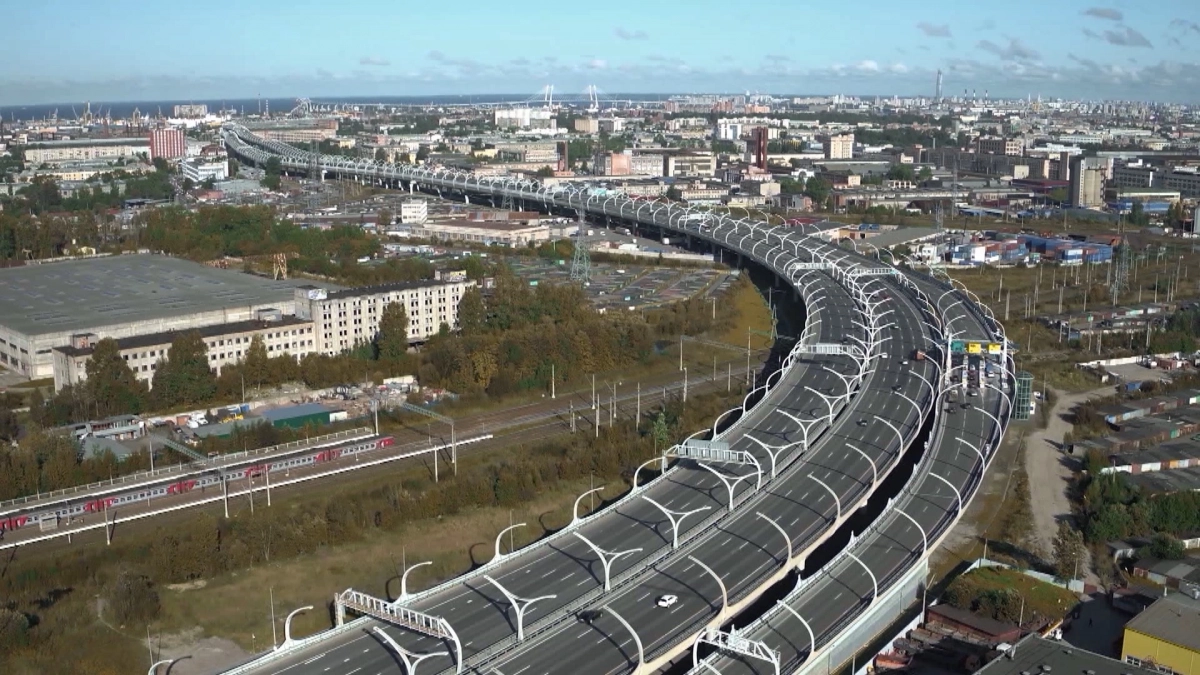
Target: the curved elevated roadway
(805, 498)
(823, 604)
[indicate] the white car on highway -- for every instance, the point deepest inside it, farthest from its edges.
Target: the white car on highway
(667, 600)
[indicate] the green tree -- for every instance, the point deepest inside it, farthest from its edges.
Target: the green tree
(160, 165)
(423, 153)
(1138, 216)
(674, 194)
(902, 172)
(660, 431)
(234, 168)
(256, 364)
(209, 183)
(1068, 551)
(1165, 547)
(184, 378)
(545, 172)
(472, 314)
(273, 169)
(384, 218)
(8, 424)
(817, 190)
(392, 341)
(925, 173)
(188, 184)
(111, 384)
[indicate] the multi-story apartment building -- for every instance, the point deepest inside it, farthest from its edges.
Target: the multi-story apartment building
(343, 319)
(838, 146)
(1087, 182)
(1001, 146)
(227, 344)
(168, 144)
(414, 212)
(689, 164)
(587, 125)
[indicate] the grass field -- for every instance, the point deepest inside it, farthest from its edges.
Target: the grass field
(1041, 599)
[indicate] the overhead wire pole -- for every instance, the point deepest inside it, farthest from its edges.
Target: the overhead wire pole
(405, 405)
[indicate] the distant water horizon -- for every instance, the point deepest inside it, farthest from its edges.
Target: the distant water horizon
(124, 109)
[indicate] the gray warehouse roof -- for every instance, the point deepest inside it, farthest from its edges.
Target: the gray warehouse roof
(1039, 656)
(1173, 619)
(80, 295)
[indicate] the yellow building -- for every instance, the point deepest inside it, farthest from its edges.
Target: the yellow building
(1165, 636)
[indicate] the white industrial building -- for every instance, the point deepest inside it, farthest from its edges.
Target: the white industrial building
(51, 152)
(199, 171)
(524, 118)
(414, 212)
(47, 305)
(342, 319)
(227, 344)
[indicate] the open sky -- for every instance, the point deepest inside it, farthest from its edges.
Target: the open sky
(73, 50)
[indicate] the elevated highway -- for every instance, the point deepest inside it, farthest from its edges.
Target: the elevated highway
(832, 423)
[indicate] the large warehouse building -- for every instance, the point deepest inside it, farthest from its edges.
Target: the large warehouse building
(44, 306)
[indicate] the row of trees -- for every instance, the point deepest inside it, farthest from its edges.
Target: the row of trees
(1114, 509)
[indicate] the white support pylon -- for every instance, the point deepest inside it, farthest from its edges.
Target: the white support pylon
(637, 640)
(836, 500)
(498, 555)
(287, 626)
(957, 494)
(607, 558)
(411, 660)
(812, 639)
(899, 436)
(978, 452)
(662, 460)
(729, 484)
(518, 604)
(786, 538)
(826, 399)
(575, 510)
(924, 537)
(805, 425)
(772, 451)
(404, 581)
(874, 469)
(874, 581)
(720, 583)
(675, 517)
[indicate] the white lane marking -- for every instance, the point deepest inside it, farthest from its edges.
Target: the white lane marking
(314, 658)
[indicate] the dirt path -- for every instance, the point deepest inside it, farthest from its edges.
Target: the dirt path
(1050, 470)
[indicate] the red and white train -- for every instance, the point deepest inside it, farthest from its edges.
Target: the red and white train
(201, 479)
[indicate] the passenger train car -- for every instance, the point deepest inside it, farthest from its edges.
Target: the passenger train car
(51, 515)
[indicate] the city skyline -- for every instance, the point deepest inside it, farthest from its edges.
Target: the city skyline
(1068, 49)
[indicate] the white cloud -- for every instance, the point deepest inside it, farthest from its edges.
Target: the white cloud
(1014, 51)
(626, 34)
(867, 66)
(374, 61)
(597, 64)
